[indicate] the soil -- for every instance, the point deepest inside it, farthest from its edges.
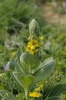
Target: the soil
(53, 17)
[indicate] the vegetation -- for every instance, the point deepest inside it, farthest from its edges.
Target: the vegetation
(32, 53)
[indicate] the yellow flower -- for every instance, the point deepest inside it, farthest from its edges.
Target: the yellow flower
(1, 75)
(64, 96)
(33, 42)
(41, 38)
(34, 51)
(33, 46)
(37, 89)
(40, 44)
(28, 48)
(41, 84)
(35, 94)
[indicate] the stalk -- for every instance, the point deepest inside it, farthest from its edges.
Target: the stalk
(26, 93)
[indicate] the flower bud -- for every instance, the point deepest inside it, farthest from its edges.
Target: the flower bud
(34, 28)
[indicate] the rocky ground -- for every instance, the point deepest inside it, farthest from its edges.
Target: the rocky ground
(51, 16)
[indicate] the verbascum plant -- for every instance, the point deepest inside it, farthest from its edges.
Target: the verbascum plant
(29, 72)
(34, 36)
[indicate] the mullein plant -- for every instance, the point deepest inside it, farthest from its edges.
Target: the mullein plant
(29, 71)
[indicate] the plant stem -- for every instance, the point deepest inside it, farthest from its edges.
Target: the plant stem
(26, 92)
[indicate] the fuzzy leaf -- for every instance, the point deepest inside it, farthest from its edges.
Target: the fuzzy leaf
(18, 82)
(23, 81)
(20, 68)
(31, 61)
(45, 69)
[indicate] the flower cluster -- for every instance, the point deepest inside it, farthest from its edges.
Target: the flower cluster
(33, 46)
(40, 86)
(35, 94)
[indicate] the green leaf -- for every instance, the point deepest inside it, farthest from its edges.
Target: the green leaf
(29, 61)
(21, 96)
(27, 81)
(54, 98)
(17, 81)
(24, 81)
(1, 87)
(21, 67)
(58, 90)
(1, 48)
(18, 55)
(6, 95)
(12, 64)
(16, 65)
(44, 69)
(47, 46)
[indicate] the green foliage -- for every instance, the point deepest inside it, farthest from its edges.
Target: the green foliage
(44, 69)
(54, 98)
(26, 70)
(30, 61)
(15, 14)
(23, 81)
(59, 6)
(5, 95)
(57, 92)
(39, 68)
